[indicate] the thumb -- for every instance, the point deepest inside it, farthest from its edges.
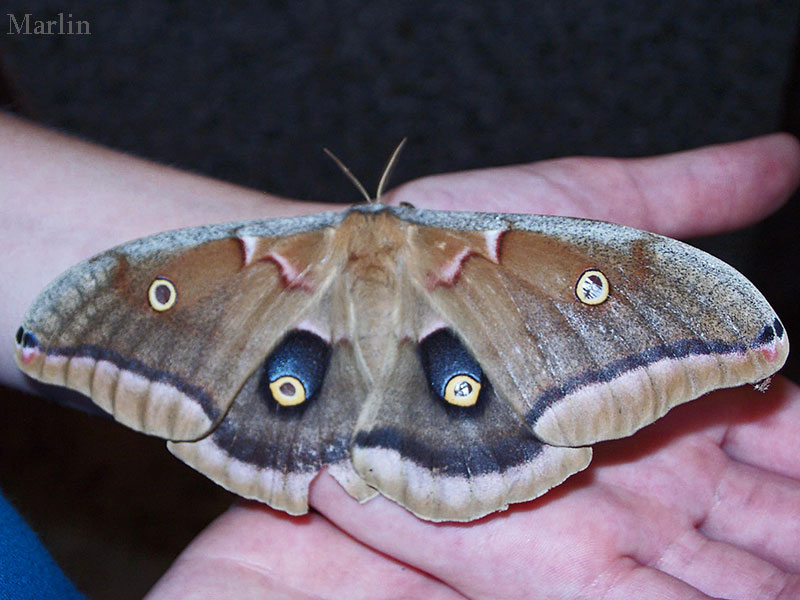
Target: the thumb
(696, 192)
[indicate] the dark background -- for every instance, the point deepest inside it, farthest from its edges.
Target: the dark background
(251, 91)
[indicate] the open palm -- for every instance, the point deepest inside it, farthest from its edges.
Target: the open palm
(703, 503)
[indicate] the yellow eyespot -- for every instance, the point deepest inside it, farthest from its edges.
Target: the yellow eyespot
(288, 391)
(462, 390)
(592, 287)
(162, 294)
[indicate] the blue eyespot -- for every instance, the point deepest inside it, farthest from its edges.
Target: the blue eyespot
(296, 368)
(453, 374)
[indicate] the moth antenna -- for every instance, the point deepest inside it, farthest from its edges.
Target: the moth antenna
(387, 171)
(349, 174)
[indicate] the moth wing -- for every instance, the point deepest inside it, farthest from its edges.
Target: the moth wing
(174, 373)
(449, 463)
(676, 324)
(271, 453)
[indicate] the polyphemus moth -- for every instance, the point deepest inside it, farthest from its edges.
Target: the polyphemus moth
(453, 362)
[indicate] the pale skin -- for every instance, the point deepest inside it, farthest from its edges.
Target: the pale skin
(703, 503)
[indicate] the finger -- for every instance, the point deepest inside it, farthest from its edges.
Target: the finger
(766, 428)
(718, 188)
(655, 514)
(658, 536)
(696, 192)
(678, 462)
(252, 551)
(696, 441)
(757, 511)
(632, 580)
(465, 556)
(560, 550)
(725, 571)
(745, 485)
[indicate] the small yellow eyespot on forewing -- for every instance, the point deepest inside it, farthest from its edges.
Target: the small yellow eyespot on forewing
(288, 391)
(462, 390)
(592, 287)
(162, 294)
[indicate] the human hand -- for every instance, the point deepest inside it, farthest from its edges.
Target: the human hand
(705, 502)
